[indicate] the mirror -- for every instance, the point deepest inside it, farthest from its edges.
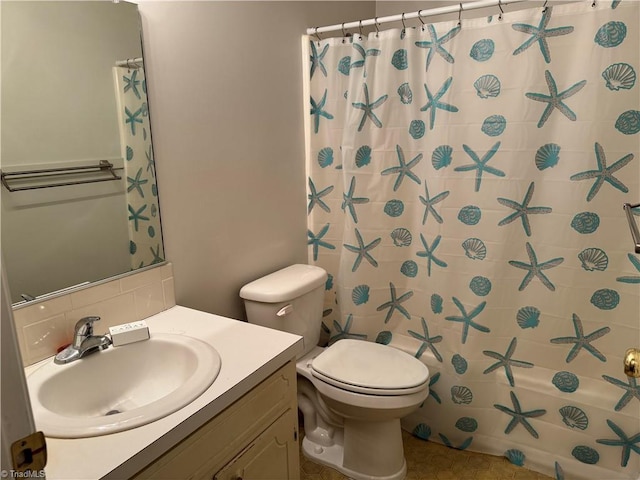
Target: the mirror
(73, 95)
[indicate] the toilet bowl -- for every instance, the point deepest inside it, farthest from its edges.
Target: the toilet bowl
(366, 388)
(353, 393)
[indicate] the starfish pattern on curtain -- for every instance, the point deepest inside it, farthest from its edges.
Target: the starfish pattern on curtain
(465, 185)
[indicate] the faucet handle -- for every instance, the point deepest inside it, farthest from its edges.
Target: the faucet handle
(84, 328)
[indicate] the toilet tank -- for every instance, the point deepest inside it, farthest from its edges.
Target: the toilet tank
(290, 300)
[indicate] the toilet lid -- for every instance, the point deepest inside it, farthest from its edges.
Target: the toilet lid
(370, 366)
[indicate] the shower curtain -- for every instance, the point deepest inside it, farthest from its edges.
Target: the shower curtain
(145, 235)
(465, 191)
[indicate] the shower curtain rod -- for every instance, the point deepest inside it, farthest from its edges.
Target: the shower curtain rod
(462, 7)
(130, 62)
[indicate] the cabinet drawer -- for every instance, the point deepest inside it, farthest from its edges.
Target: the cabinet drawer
(224, 436)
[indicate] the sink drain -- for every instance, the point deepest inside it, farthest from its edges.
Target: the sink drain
(112, 412)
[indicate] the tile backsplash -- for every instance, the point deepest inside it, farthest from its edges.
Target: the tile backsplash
(45, 326)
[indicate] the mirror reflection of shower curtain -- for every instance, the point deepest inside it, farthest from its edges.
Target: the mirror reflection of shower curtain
(465, 187)
(145, 235)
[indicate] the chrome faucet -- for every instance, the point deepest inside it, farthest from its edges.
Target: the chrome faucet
(84, 342)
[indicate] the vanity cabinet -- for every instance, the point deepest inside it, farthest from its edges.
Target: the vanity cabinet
(254, 438)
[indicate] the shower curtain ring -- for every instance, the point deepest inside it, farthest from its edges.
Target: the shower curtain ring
(544, 7)
(421, 21)
(375, 21)
(343, 32)
(501, 10)
(360, 28)
(460, 15)
(315, 32)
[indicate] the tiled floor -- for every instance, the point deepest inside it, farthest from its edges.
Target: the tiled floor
(432, 461)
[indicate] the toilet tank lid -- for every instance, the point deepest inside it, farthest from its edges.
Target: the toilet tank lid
(284, 285)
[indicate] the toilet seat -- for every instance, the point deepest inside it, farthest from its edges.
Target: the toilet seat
(369, 368)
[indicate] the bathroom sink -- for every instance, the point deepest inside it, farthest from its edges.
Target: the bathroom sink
(122, 387)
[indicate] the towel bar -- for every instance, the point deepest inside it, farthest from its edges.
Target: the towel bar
(26, 175)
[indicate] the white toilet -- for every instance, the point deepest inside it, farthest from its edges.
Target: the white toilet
(353, 393)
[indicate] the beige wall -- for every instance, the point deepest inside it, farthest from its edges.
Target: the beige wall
(397, 7)
(225, 93)
(384, 9)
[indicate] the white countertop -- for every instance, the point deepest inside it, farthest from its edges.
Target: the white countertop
(249, 353)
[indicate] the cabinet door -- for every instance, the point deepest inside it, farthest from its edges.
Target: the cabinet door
(227, 435)
(273, 455)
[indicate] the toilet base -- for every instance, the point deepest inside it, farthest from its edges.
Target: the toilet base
(333, 456)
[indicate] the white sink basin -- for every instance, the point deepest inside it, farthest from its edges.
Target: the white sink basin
(122, 387)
